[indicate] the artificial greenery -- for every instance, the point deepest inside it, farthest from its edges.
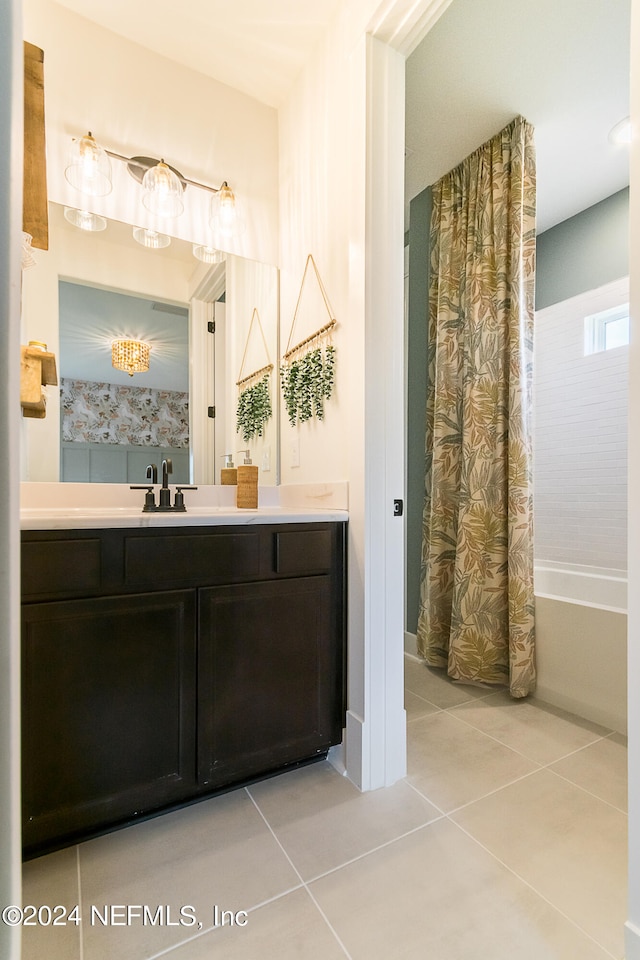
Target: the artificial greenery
(254, 409)
(307, 382)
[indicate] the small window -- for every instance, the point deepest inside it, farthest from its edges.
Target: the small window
(607, 330)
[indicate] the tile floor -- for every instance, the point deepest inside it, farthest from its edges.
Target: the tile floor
(506, 840)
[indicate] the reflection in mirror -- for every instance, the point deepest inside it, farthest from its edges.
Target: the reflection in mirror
(90, 288)
(114, 423)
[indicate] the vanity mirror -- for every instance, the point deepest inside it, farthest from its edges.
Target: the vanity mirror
(92, 287)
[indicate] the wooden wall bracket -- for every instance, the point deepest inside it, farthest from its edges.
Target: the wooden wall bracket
(37, 369)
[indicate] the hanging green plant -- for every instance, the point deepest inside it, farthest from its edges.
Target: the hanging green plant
(307, 372)
(307, 382)
(254, 409)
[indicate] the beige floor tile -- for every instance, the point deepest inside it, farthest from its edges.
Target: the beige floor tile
(437, 894)
(570, 846)
(51, 881)
(219, 852)
(322, 820)
(290, 928)
(451, 763)
(539, 731)
(416, 706)
(600, 768)
(435, 686)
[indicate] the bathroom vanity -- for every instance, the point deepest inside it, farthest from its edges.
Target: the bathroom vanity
(168, 659)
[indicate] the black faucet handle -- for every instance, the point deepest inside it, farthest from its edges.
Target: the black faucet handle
(149, 500)
(152, 473)
(178, 503)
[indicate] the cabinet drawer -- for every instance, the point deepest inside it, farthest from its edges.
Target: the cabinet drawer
(300, 552)
(174, 560)
(59, 568)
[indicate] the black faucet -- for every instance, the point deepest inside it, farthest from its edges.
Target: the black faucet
(165, 493)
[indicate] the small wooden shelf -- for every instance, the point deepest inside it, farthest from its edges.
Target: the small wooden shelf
(37, 369)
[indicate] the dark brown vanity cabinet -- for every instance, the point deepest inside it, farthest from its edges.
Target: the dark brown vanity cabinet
(162, 665)
(108, 709)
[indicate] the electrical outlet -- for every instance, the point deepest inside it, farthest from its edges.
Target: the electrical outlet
(294, 450)
(266, 460)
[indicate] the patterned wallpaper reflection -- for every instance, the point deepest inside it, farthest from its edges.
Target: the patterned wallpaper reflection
(109, 413)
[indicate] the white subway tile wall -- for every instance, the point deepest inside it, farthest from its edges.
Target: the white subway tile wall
(580, 436)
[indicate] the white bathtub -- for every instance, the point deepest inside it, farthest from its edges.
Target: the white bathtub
(595, 586)
(581, 640)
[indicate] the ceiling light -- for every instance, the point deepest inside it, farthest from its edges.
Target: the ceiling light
(132, 356)
(622, 133)
(92, 222)
(162, 191)
(151, 238)
(207, 254)
(89, 168)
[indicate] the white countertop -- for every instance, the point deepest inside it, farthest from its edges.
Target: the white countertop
(89, 518)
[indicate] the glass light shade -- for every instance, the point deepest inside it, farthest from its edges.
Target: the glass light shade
(132, 356)
(89, 167)
(84, 220)
(207, 254)
(151, 238)
(162, 191)
(225, 220)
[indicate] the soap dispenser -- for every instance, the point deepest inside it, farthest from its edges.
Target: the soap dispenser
(228, 474)
(247, 490)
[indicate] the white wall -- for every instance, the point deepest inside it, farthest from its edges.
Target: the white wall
(632, 938)
(11, 138)
(137, 103)
(341, 199)
(580, 436)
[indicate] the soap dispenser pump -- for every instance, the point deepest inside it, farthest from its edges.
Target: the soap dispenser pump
(228, 474)
(247, 490)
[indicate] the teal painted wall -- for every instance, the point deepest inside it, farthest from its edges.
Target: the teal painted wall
(419, 218)
(584, 252)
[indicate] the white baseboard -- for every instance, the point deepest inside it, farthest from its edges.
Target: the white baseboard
(631, 941)
(336, 757)
(410, 644)
(353, 750)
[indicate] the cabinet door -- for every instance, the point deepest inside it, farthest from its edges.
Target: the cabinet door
(269, 684)
(108, 711)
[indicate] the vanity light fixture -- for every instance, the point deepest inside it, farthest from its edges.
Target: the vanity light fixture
(91, 222)
(89, 168)
(132, 356)
(207, 254)
(151, 238)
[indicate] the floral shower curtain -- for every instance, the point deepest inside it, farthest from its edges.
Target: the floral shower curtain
(476, 610)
